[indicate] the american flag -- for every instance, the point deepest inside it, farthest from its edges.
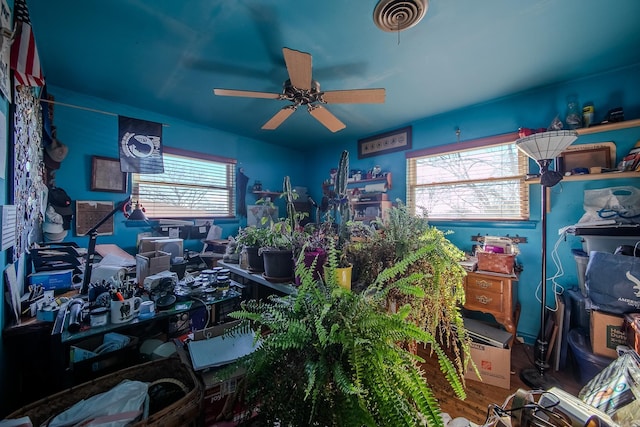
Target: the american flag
(25, 61)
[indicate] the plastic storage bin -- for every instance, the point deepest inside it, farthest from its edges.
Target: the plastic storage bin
(579, 316)
(589, 364)
(606, 243)
(582, 259)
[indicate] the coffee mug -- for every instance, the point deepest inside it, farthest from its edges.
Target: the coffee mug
(147, 310)
(123, 311)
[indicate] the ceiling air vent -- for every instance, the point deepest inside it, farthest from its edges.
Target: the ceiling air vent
(398, 15)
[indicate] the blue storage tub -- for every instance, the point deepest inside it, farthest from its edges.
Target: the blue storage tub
(589, 364)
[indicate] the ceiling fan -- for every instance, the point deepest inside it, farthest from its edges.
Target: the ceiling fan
(301, 89)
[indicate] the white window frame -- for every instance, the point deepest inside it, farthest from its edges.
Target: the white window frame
(461, 148)
(150, 205)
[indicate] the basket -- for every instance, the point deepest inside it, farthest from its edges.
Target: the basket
(496, 263)
(180, 413)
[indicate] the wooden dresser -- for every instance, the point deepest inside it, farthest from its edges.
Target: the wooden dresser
(496, 295)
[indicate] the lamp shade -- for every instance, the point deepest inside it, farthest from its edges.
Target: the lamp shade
(546, 145)
(137, 214)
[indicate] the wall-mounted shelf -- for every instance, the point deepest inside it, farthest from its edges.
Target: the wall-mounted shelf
(363, 182)
(263, 194)
(609, 127)
(593, 177)
(358, 210)
(598, 176)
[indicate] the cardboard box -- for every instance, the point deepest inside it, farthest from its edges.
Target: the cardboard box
(148, 263)
(631, 327)
(221, 401)
(52, 280)
(607, 333)
(221, 404)
(148, 243)
(174, 247)
(493, 363)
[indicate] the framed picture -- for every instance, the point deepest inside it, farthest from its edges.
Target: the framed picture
(89, 213)
(389, 142)
(107, 176)
(567, 161)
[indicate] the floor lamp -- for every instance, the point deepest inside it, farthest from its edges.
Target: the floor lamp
(544, 148)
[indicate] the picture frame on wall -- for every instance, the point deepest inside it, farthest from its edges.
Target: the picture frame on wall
(107, 176)
(389, 142)
(89, 213)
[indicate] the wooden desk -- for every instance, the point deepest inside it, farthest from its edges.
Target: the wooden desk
(496, 295)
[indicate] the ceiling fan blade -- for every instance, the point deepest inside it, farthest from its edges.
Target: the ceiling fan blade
(279, 117)
(298, 67)
(246, 93)
(355, 96)
(325, 117)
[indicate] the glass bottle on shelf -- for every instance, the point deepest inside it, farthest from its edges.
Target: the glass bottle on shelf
(574, 114)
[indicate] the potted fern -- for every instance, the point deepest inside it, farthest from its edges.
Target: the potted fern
(331, 357)
(434, 268)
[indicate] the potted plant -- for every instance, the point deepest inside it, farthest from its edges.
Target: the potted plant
(331, 357)
(250, 239)
(336, 223)
(433, 267)
(341, 202)
(337, 266)
(277, 250)
(310, 244)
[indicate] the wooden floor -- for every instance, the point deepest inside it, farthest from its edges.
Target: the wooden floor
(481, 395)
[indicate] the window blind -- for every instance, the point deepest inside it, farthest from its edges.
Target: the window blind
(477, 183)
(192, 186)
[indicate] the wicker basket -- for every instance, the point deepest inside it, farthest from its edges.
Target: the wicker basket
(496, 263)
(181, 413)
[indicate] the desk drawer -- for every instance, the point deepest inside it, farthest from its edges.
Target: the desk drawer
(485, 284)
(478, 299)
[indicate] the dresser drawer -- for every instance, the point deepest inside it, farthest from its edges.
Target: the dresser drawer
(479, 299)
(485, 284)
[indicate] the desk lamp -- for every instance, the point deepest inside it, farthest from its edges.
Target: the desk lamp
(543, 148)
(137, 214)
(91, 249)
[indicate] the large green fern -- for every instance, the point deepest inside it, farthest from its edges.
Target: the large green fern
(332, 357)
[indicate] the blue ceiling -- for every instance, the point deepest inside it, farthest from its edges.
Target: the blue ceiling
(167, 56)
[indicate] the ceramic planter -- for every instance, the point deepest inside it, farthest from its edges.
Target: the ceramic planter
(254, 259)
(309, 257)
(343, 276)
(278, 265)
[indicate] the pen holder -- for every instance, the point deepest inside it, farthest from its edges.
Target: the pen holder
(123, 311)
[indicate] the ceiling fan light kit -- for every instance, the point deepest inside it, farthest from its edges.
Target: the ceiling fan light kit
(301, 89)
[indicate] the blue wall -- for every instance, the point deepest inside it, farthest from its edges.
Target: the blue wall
(4, 107)
(89, 133)
(532, 109)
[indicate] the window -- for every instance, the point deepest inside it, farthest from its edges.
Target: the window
(193, 185)
(475, 182)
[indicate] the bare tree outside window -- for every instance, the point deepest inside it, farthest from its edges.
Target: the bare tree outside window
(481, 183)
(190, 187)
